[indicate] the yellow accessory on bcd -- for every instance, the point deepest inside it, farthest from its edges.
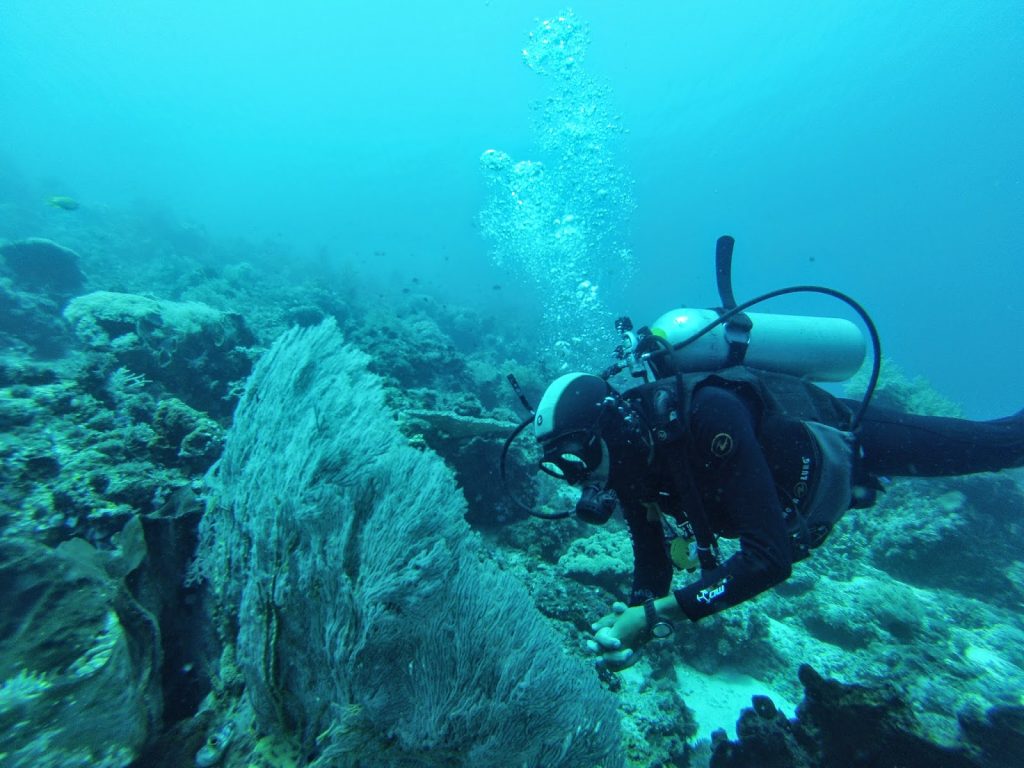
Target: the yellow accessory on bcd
(683, 552)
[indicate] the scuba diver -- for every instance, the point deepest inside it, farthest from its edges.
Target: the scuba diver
(729, 438)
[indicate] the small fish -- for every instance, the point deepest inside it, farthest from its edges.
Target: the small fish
(495, 287)
(64, 203)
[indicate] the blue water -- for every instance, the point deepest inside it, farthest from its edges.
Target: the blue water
(871, 146)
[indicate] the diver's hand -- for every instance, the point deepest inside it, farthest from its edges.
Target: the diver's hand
(617, 635)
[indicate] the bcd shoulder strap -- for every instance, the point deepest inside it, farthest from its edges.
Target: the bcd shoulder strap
(666, 405)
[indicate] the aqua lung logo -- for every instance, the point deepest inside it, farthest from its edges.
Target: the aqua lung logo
(721, 444)
(800, 489)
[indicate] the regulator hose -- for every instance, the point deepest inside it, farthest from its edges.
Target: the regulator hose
(504, 478)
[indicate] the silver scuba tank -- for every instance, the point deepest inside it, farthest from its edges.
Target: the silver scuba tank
(815, 348)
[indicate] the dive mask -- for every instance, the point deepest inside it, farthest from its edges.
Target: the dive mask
(581, 459)
(572, 457)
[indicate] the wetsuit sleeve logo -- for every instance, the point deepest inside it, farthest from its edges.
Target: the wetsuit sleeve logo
(712, 593)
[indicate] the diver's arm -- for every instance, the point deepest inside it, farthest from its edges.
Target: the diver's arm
(618, 633)
(745, 494)
(652, 569)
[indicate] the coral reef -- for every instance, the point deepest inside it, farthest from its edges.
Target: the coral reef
(363, 614)
(83, 456)
(603, 559)
(43, 266)
(192, 350)
(79, 656)
(950, 533)
(854, 725)
(37, 278)
(115, 404)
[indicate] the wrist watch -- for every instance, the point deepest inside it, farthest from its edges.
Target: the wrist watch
(658, 626)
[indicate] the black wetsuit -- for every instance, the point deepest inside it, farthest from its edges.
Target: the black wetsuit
(740, 498)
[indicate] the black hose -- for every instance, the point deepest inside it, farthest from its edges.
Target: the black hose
(504, 478)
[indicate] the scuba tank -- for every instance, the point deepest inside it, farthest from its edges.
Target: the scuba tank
(690, 340)
(815, 348)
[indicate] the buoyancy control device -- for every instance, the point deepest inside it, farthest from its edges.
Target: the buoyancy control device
(687, 341)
